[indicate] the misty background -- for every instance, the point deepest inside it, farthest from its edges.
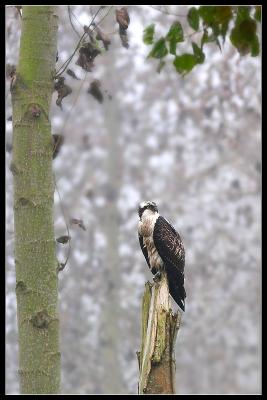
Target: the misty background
(192, 145)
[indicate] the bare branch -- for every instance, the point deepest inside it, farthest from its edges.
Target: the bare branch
(67, 62)
(167, 12)
(72, 25)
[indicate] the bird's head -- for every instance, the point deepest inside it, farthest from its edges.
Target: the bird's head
(147, 205)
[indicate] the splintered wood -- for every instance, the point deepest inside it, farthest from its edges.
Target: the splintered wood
(159, 330)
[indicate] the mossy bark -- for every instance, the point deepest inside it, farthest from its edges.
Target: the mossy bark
(35, 258)
(159, 329)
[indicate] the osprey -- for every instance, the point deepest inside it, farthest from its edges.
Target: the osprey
(163, 249)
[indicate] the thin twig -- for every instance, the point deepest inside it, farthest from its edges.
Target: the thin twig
(167, 12)
(192, 34)
(94, 17)
(75, 101)
(67, 62)
(62, 266)
(72, 13)
(98, 24)
(72, 25)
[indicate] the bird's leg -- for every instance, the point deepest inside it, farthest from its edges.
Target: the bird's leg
(157, 277)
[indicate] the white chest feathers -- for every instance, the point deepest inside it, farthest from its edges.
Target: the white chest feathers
(146, 229)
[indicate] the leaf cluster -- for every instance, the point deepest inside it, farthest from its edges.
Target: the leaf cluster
(214, 23)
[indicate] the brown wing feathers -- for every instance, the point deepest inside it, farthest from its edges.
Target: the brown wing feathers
(170, 248)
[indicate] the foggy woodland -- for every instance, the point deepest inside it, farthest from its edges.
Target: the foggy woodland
(192, 144)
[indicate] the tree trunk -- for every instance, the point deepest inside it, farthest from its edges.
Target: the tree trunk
(110, 353)
(159, 329)
(35, 258)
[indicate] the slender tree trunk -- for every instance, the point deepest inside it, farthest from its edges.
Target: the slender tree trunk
(35, 259)
(111, 315)
(159, 330)
(112, 378)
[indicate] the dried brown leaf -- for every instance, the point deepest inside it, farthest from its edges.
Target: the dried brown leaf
(10, 70)
(95, 90)
(122, 17)
(87, 54)
(72, 74)
(79, 222)
(100, 35)
(62, 89)
(63, 239)
(58, 140)
(123, 20)
(124, 38)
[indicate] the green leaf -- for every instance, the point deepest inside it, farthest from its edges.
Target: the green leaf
(198, 53)
(193, 18)
(242, 46)
(174, 36)
(224, 29)
(148, 34)
(215, 33)
(247, 29)
(216, 30)
(215, 15)
(242, 14)
(243, 37)
(223, 14)
(257, 14)
(206, 38)
(207, 13)
(160, 66)
(159, 49)
(255, 47)
(218, 44)
(218, 18)
(175, 32)
(173, 47)
(184, 63)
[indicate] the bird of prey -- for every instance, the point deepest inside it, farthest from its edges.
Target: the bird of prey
(163, 249)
